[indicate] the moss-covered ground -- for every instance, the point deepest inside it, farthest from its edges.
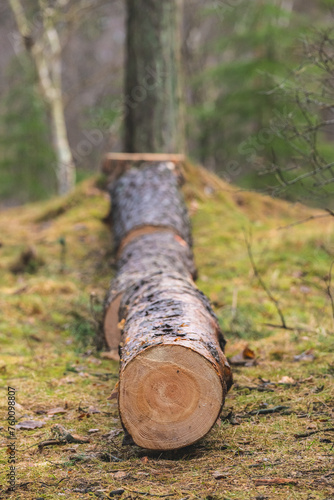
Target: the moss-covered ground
(51, 305)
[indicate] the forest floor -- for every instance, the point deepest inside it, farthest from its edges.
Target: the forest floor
(275, 436)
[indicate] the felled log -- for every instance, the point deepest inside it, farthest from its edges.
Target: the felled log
(142, 257)
(146, 200)
(174, 375)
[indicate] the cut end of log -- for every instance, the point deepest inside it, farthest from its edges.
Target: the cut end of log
(114, 165)
(170, 397)
(114, 160)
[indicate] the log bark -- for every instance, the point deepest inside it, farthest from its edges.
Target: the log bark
(146, 200)
(144, 256)
(152, 251)
(174, 375)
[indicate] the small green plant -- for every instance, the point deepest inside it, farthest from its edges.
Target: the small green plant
(83, 331)
(239, 324)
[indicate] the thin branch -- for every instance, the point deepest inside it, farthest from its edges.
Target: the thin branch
(324, 183)
(310, 174)
(329, 288)
(20, 17)
(307, 434)
(147, 494)
(291, 328)
(264, 286)
(312, 217)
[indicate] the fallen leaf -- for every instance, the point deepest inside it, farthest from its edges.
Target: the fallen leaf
(120, 475)
(276, 480)
(75, 438)
(312, 425)
(59, 432)
(56, 411)
(231, 418)
(305, 356)
(244, 358)
(93, 410)
(219, 475)
(19, 407)
(83, 415)
(286, 380)
(30, 424)
(95, 361)
(248, 353)
(144, 460)
(112, 434)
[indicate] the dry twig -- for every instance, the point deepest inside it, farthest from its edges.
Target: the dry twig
(264, 286)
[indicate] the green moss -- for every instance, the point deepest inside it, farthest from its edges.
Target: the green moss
(46, 352)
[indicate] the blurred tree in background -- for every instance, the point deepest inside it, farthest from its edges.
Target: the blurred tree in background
(252, 88)
(256, 62)
(307, 131)
(249, 42)
(26, 154)
(82, 29)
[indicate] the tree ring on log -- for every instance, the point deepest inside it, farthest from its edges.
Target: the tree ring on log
(170, 397)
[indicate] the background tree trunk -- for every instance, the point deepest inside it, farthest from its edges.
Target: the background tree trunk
(46, 55)
(153, 118)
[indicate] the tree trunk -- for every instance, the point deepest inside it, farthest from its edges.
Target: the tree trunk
(153, 118)
(65, 168)
(174, 376)
(146, 200)
(46, 56)
(144, 256)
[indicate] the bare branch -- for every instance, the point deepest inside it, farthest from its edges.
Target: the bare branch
(20, 17)
(312, 217)
(329, 288)
(264, 286)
